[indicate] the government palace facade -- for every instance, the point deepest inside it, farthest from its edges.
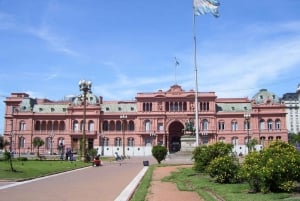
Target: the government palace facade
(156, 118)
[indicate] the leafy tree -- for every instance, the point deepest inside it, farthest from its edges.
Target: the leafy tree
(204, 154)
(224, 169)
(294, 138)
(3, 143)
(252, 144)
(37, 143)
(159, 153)
(274, 169)
(8, 156)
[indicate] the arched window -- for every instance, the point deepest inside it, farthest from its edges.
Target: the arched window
(118, 141)
(91, 126)
(105, 141)
(147, 125)
(22, 126)
(262, 124)
(105, 126)
(131, 125)
(130, 142)
(112, 126)
(75, 126)
(204, 125)
(222, 139)
(277, 124)
(119, 125)
(234, 125)
(62, 126)
(270, 124)
(221, 125)
(21, 142)
(235, 140)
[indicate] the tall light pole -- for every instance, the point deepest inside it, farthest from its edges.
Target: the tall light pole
(85, 87)
(11, 141)
(247, 117)
(123, 118)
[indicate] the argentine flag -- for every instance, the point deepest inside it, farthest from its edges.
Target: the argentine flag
(202, 7)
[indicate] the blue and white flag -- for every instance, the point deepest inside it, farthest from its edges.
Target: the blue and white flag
(202, 7)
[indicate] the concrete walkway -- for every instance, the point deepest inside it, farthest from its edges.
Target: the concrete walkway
(112, 181)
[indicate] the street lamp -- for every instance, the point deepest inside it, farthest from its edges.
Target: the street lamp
(85, 87)
(123, 118)
(51, 136)
(247, 117)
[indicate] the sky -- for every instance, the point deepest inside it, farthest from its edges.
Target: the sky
(128, 46)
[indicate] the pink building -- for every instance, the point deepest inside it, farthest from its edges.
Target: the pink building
(153, 118)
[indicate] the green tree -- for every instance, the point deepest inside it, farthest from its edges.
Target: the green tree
(159, 153)
(8, 157)
(37, 143)
(204, 154)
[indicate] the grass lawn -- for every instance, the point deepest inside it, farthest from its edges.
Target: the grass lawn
(36, 168)
(189, 180)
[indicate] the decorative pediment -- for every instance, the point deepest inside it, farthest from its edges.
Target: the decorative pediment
(175, 89)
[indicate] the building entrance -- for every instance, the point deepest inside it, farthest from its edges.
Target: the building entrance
(175, 133)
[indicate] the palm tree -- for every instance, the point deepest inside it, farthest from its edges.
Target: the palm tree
(38, 142)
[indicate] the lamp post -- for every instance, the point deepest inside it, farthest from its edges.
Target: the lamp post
(51, 136)
(123, 118)
(85, 87)
(20, 137)
(247, 117)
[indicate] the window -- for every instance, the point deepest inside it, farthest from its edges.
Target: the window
(119, 125)
(75, 126)
(270, 124)
(91, 126)
(247, 125)
(277, 124)
(147, 125)
(222, 139)
(105, 142)
(235, 140)
(52, 109)
(118, 142)
(160, 127)
(105, 126)
(234, 125)
(21, 143)
(262, 124)
(205, 125)
(221, 125)
(130, 142)
(131, 125)
(22, 126)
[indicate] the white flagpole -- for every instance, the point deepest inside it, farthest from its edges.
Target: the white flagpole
(196, 83)
(176, 64)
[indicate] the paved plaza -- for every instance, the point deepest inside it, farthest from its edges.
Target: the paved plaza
(112, 181)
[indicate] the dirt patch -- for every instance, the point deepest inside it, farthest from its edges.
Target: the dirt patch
(160, 191)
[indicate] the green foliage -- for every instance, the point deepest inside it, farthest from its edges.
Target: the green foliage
(274, 169)
(294, 138)
(38, 142)
(224, 169)
(159, 153)
(204, 154)
(92, 153)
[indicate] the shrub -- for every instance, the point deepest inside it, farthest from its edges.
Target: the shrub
(274, 169)
(224, 169)
(22, 159)
(159, 153)
(204, 154)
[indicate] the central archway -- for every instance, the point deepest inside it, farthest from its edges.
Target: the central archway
(175, 133)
